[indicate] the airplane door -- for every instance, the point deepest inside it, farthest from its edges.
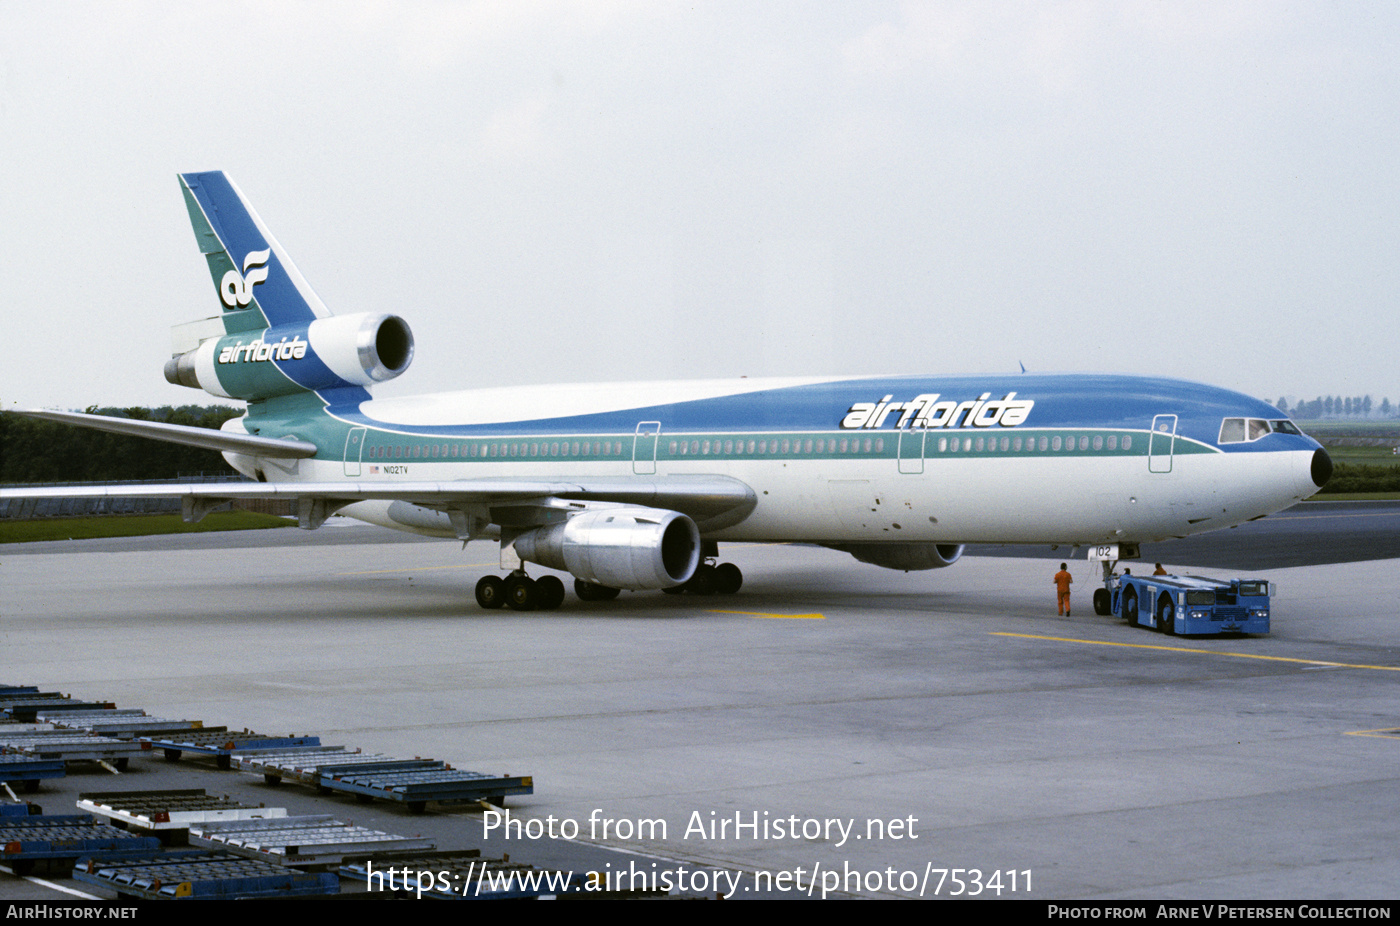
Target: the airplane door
(644, 447)
(1161, 444)
(354, 446)
(911, 450)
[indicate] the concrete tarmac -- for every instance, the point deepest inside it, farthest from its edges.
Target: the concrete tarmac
(900, 724)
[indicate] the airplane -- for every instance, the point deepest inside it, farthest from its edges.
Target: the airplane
(634, 485)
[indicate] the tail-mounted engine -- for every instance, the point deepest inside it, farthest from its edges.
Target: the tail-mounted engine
(338, 350)
(632, 548)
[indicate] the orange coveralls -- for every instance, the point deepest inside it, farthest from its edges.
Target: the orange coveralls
(1062, 583)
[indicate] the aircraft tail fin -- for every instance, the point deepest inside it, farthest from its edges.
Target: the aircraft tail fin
(257, 283)
(274, 336)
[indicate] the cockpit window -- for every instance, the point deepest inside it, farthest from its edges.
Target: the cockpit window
(1232, 431)
(1240, 430)
(1285, 427)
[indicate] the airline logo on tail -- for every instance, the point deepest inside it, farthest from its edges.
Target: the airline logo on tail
(237, 289)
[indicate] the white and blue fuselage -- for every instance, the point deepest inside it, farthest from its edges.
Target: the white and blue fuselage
(1005, 459)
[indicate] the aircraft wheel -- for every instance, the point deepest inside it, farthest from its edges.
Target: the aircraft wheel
(728, 578)
(521, 593)
(1130, 606)
(588, 591)
(1166, 617)
(490, 592)
(551, 592)
(703, 582)
(1103, 602)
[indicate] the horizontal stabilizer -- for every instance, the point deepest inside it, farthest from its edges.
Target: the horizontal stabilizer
(209, 439)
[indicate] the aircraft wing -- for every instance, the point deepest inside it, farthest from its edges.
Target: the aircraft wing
(207, 438)
(711, 501)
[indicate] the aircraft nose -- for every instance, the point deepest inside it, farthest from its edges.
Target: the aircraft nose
(1321, 467)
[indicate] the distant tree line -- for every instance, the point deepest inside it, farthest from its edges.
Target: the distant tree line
(45, 451)
(1336, 406)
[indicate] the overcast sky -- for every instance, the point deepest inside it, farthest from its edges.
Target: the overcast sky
(558, 192)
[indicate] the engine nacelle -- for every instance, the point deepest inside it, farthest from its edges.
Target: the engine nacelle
(909, 557)
(632, 548)
(339, 350)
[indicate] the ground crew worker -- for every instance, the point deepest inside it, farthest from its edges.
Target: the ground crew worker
(1160, 571)
(1063, 581)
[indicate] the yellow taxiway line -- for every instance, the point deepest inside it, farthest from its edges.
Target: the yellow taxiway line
(807, 617)
(1200, 652)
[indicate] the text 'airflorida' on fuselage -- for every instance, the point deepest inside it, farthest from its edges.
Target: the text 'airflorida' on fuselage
(925, 411)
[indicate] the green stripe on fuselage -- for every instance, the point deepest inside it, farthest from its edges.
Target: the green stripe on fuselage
(389, 447)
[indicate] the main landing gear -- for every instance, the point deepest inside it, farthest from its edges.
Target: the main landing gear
(519, 592)
(711, 579)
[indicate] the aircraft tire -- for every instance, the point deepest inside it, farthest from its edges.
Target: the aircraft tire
(521, 593)
(728, 578)
(1103, 602)
(551, 592)
(588, 591)
(1166, 617)
(490, 592)
(703, 581)
(1130, 606)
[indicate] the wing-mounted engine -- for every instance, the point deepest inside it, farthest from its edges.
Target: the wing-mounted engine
(623, 547)
(338, 350)
(909, 557)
